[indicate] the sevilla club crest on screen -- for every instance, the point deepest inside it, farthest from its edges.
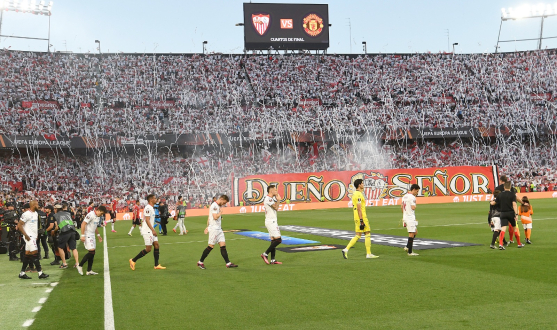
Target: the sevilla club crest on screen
(261, 22)
(313, 24)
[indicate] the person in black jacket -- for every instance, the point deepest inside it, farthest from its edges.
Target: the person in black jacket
(164, 214)
(41, 239)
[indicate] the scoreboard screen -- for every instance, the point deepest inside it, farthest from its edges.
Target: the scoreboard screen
(286, 26)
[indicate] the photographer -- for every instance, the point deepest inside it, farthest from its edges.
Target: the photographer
(11, 217)
(67, 235)
(52, 233)
(41, 239)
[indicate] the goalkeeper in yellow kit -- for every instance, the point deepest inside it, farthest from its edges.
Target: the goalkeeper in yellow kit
(360, 220)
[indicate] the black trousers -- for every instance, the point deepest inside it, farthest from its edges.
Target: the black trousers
(164, 221)
(41, 240)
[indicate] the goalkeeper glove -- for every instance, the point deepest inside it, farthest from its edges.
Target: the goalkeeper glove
(362, 224)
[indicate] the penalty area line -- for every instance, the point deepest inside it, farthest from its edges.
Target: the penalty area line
(108, 309)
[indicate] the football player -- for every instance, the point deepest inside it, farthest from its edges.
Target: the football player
(360, 220)
(149, 234)
(271, 207)
(88, 232)
(409, 217)
(216, 235)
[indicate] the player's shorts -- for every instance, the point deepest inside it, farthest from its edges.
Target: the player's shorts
(526, 222)
(272, 228)
(149, 238)
(67, 238)
(496, 223)
(112, 215)
(90, 243)
(136, 221)
(411, 225)
(507, 218)
(357, 225)
(216, 236)
(31, 244)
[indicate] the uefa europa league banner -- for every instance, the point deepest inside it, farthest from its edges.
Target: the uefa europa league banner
(378, 184)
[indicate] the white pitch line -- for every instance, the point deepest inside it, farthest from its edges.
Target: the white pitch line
(457, 224)
(48, 290)
(36, 309)
(108, 309)
(42, 300)
(28, 323)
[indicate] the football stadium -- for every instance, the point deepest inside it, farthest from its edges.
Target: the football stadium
(319, 177)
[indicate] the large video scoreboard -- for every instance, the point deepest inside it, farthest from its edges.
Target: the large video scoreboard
(286, 26)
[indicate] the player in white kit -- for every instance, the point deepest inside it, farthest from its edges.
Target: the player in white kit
(28, 227)
(90, 228)
(271, 205)
(149, 234)
(216, 235)
(409, 217)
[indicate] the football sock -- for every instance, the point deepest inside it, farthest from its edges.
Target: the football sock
(140, 255)
(502, 237)
(112, 225)
(156, 255)
(36, 262)
(90, 260)
(528, 233)
(352, 242)
(511, 232)
(25, 264)
(410, 244)
(85, 258)
(205, 253)
(224, 253)
(495, 235)
(130, 232)
(273, 246)
(517, 235)
(368, 243)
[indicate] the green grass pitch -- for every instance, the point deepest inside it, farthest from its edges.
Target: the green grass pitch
(452, 288)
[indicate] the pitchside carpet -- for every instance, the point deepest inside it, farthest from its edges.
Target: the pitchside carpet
(460, 287)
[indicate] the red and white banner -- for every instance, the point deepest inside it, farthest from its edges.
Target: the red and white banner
(41, 105)
(378, 184)
(162, 104)
(540, 97)
(306, 103)
(444, 100)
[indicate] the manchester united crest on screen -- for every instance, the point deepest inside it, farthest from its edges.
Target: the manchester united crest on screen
(313, 25)
(261, 22)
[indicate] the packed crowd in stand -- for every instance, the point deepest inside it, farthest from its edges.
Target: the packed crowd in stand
(231, 93)
(132, 95)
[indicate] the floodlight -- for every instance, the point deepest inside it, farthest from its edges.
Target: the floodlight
(503, 13)
(49, 9)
